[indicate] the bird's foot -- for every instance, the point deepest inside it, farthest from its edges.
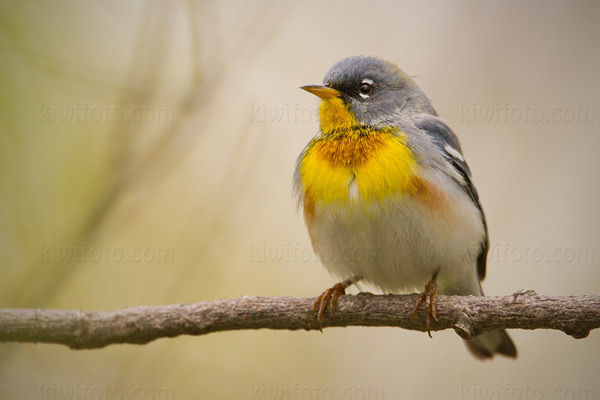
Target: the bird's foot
(429, 298)
(330, 296)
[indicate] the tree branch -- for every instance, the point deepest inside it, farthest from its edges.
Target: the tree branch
(467, 315)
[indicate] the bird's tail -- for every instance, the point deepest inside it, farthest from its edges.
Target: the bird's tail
(486, 345)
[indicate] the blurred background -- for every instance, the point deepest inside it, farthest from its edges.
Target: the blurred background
(146, 156)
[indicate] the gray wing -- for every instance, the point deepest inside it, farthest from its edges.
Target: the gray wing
(448, 144)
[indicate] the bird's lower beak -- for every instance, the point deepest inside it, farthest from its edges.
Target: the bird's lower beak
(321, 91)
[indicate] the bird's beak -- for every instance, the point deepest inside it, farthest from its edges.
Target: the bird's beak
(321, 91)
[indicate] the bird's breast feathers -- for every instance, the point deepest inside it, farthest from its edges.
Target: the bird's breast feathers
(358, 166)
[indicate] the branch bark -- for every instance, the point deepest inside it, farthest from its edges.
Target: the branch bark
(467, 315)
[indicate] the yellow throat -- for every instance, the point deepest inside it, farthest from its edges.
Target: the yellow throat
(378, 162)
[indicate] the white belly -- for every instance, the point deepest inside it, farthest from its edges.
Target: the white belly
(398, 244)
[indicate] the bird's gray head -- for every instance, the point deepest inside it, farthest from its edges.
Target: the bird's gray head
(375, 91)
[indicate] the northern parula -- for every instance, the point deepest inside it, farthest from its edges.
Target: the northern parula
(387, 196)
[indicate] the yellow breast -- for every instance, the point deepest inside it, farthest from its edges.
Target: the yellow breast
(379, 163)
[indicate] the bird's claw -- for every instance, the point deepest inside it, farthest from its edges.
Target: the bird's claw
(330, 296)
(429, 298)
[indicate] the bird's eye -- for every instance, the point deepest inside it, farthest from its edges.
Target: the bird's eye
(365, 88)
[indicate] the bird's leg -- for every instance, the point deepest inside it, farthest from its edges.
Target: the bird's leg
(331, 296)
(428, 296)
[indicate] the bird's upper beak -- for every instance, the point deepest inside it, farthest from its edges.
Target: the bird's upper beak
(321, 91)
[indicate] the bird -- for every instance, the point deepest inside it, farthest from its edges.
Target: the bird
(387, 196)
